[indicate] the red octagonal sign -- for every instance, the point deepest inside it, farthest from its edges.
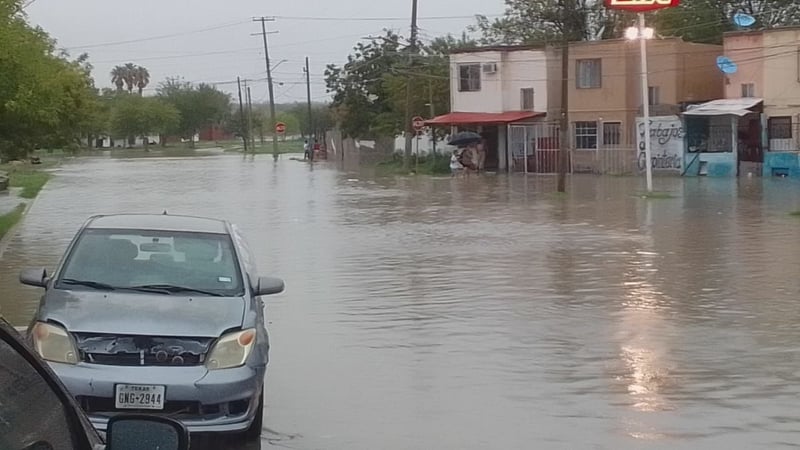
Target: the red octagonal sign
(280, 128)
(641, 5)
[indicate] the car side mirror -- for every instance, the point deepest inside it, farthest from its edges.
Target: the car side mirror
(269, 286)
(146, 432)
(34, 277)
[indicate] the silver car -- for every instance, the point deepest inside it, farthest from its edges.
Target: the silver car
(159, 314)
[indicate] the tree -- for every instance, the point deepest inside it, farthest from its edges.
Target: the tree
(706, 20)
(46, 99)
(134, 115)
(199, 105)
(540, 21)
(141, 77)
(118, 76)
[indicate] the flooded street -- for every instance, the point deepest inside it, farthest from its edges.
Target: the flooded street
(489, 312)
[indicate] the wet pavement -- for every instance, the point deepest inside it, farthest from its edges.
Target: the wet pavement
(489, 312)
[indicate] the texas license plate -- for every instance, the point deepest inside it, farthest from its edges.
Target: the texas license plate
(138, 396)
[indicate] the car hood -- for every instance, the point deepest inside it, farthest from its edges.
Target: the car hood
(141, 313)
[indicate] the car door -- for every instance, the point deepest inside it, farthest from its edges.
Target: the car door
(36, 412)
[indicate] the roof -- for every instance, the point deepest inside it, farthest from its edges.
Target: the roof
(498, 48)
(724, 107)
(158, 222)
(767, 30)
(463, 118)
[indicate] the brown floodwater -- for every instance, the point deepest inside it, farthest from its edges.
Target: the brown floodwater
(439, 313)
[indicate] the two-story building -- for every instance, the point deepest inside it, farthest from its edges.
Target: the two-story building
(512, 96)
(492, 88)
(768, 72)
(605, 95)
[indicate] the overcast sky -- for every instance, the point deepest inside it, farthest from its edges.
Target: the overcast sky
(210, 40)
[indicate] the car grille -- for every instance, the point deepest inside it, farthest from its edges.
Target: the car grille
(126, 350)
(102, 405)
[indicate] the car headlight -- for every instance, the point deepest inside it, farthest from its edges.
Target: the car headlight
(231, 350)
(53, 343)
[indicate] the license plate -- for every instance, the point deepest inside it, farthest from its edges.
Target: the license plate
(137, 396)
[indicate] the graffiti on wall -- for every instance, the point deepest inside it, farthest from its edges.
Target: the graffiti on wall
(666, 143)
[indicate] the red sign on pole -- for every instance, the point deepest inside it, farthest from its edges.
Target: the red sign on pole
(641, 5)
(418, 123)
(280, 128)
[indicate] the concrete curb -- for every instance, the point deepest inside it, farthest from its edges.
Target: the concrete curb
(13, 230)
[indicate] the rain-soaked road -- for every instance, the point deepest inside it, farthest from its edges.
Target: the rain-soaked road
(487, 313)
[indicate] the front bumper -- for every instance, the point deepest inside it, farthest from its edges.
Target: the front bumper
(205, 401)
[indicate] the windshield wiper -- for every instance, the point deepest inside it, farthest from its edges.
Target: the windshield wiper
(172, 289)
(92, 284)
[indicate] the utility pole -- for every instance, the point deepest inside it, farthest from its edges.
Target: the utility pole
(241, 114)
(308, 92)
(563, 159)
(263, 33)
(433, 114)
(250, 134)
(412, 51)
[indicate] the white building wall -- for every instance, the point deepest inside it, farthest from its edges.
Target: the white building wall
(500, 92)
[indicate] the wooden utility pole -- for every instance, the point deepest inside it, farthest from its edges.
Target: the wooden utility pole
(250, 134)
(272, 120)
(241, 115)
(412, 52)
(308, 92)
(563, 153)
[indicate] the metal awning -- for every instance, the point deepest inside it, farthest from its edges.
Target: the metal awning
(724, 107)
(470, 118)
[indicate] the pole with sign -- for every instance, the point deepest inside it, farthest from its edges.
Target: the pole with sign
(419, 124)
(642, 34)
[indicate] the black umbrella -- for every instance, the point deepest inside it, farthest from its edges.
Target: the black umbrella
(465, 138)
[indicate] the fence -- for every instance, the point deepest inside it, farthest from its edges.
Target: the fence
(535, 149)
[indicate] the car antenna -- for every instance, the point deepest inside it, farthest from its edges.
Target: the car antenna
(164, 213)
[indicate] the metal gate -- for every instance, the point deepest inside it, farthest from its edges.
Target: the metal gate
(534, 148)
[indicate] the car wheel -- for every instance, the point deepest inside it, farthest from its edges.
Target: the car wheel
(254, 431)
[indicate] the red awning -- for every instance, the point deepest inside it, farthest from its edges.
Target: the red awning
(463, 118)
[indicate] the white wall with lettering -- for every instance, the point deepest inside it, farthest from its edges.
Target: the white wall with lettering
(666, 143)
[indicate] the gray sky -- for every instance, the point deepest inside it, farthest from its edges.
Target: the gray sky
(210, 41)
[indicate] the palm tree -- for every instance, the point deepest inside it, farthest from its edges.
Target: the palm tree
(130, 76)
(118, 77)
(141, 78)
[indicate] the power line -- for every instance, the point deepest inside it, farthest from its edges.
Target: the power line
(154, 38)
(380, 19)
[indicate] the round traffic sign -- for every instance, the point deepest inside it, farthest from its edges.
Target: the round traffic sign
(280, 128)
(418, 123)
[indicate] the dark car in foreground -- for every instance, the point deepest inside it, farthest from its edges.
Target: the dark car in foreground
(38, 413)
(158, 314)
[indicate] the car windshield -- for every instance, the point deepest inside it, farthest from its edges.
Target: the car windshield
(171, 262)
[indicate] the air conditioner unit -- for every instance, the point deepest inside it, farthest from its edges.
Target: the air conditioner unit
(490, 68)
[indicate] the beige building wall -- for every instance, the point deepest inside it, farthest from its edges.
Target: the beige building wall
(747, 51)
(781, 61)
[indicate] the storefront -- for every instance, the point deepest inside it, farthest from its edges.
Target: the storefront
(724, 138)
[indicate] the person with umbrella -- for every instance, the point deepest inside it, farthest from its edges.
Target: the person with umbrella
(467, 141)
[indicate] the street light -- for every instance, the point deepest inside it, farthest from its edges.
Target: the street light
(642, 34)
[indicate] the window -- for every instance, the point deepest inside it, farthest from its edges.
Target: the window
(469, 77)
(589, 73)
(31, 410)
(780, 127)
(653, 95)
(125, 259)
(586, 135)
(526, 99)
(748, 90)
(612, 133)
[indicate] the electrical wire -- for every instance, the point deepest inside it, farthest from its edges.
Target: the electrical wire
(154, 38)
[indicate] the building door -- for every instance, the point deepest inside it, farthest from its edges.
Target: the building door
(491, 136)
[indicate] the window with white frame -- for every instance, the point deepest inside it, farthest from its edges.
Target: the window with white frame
(469, 77)
(526, 99)
(589, 73)
(612, 134)
(653, 95)
(585, 135)
(748, 90)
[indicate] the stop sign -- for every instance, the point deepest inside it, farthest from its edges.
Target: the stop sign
(280, 128)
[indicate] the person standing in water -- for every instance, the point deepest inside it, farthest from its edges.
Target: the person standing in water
(306, 150)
